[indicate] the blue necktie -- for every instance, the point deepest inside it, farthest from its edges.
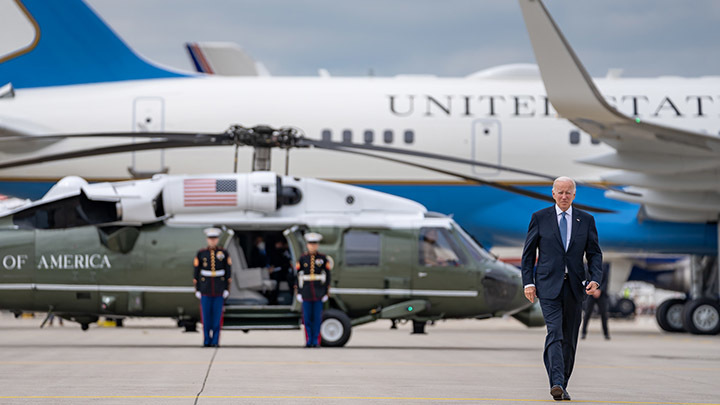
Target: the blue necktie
(563, 230)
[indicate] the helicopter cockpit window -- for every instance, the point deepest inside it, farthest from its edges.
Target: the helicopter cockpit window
(362, 248)
(437, 248)
(477, 251)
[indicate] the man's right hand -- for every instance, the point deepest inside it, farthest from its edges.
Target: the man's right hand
(299, 298)
(198, 295)
(530, 294)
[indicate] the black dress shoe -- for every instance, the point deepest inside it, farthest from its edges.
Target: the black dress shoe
(557, 392)
(565, 396)
(607, 337)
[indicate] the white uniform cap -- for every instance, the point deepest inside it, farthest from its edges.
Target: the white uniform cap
(313, 237)
(212, 232)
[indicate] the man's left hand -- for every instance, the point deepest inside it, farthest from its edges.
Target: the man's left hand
(226, 294)
(591, 288)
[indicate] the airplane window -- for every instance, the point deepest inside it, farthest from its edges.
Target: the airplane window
(347, 136)
(437, 248)
(409, 136)
(362, 248)
(574, 137)
(326, 135)
(369, 136)
(594, 141)
(388, 136)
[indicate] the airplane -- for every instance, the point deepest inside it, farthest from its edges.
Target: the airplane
(498, 125)
(125, 248)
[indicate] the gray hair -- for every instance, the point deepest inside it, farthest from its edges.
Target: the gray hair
(564, 179)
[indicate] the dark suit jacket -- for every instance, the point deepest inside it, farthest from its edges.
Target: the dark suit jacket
(544, 242)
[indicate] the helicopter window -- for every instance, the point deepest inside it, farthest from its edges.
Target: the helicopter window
(388, 136)
(326, 135)
(362, 248)
(347, 136)
(409, 136)
(369, 136)
(437, 248)
(477, 252)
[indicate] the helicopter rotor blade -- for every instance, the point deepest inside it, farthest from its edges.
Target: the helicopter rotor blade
(500, 186)
(131, 147)
(259, 136)
(453, 159)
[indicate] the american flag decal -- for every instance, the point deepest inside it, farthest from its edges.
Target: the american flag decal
(209, 192)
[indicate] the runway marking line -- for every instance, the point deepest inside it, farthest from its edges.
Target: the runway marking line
(352, 363)
(339, 397)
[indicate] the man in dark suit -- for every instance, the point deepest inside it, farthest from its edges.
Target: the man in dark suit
(559, 236)
(600, 298)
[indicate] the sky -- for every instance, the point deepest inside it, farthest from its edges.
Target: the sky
(645, 38)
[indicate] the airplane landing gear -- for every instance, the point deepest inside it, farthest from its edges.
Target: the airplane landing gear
(702, 317)
(669, 315)
(699, 315)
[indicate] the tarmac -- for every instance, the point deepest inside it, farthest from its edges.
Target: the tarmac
(496, 361)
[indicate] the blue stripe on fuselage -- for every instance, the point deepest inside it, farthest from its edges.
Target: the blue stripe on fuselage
(500, 218)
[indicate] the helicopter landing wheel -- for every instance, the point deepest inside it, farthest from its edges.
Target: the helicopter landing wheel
(84, 326)
(418, 327)
(335, 328)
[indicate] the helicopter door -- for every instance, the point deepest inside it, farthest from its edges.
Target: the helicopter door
(296, 242)
(442, 268)
(148, 116)
(373, 267)
(68, 263)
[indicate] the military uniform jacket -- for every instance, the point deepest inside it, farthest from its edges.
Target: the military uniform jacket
(212, 271)
(313, 276)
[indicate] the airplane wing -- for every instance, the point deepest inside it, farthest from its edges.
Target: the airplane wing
(656, 161)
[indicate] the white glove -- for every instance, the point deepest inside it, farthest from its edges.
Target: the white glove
(324, 298)
(198, 295)
(299, 298)
(226, 294)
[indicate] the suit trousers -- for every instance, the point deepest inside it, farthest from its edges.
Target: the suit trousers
(563, 315)
(212, 311)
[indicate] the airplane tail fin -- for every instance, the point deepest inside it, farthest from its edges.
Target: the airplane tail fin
(55, 43)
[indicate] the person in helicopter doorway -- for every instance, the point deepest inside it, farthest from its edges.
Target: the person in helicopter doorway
(212, 285)
(312, 287)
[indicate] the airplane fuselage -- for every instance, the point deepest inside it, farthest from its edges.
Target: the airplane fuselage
(492, 120)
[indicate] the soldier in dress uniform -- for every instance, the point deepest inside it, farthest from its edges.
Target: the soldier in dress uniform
(312, 287)
(212, 284)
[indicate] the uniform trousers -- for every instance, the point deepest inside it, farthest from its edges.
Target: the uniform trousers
(602, 304)
(312, 318)
(562, 318)
(212, 310)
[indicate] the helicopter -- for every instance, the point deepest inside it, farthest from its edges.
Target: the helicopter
(123, 249)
